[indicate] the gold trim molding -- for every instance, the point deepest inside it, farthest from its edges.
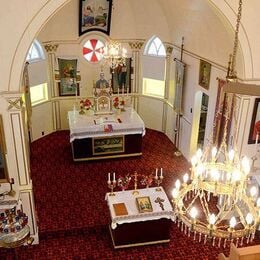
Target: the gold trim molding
(136, 45)
(51, 47)
(16, 103)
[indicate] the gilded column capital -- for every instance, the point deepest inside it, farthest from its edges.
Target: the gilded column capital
(51, 47)
(169, 50)
(137, 45)
(15, 103)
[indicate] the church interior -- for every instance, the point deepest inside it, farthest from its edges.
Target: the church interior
(130, 129)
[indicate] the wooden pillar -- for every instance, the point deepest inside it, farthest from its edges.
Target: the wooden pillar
(51, 50)
(17, 156)
(136, 80)
(168, 66)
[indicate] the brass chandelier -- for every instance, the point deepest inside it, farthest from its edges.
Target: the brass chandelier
(114, 55)
(214, 204)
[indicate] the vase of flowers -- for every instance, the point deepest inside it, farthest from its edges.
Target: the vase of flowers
(124, 181)
(85, 106)
(118, 104)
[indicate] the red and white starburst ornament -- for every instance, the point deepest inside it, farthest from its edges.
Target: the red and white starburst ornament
(93, 50)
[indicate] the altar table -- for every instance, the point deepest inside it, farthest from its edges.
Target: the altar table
(135, 228)
(112, 135)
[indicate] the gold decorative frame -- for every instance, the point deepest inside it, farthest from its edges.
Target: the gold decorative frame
(108, 145)
(204, 75)
(4, 177)
(144, 204)
(255, 123)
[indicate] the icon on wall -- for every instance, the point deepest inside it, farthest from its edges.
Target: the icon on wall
(204, 75)
(94, 16)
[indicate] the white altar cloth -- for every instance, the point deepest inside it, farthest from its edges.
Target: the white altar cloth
(130, 202)
(88, 126)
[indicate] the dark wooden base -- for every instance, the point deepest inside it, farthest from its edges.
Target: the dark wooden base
(82, 149)
(141, 233)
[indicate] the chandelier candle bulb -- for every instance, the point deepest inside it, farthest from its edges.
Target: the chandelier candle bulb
(178, 184)
(199, 153)
(253, 192)
(258, 202)
(214, 153)
(256, 142)
(245, 165)
(185, 178)
(231, 155)
(109, 177)
(161, 173)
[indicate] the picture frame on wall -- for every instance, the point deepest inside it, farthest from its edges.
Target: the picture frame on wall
(68, 89)
(94, 16)
(254, 133)
(204, 74)
(67, 84)
(121, 78)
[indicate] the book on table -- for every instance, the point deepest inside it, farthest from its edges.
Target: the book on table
(120, 209)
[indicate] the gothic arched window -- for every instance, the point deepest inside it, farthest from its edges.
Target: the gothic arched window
(154, 68)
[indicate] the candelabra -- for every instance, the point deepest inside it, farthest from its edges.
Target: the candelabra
(158, 179)
(111, 184)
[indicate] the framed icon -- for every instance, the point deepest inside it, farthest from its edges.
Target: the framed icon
(94, 16)
(204, 75)
(144, 204)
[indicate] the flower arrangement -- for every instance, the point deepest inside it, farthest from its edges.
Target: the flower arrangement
(118, 103)
(123, 182)
(85, 104)
(147, 180)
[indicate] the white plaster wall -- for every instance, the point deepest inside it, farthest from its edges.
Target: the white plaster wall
(151, 110)
(41, 120)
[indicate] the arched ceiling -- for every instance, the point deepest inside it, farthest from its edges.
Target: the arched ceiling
(205, 23)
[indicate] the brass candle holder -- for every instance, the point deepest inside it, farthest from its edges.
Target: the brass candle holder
(158, 180)
(111, 185)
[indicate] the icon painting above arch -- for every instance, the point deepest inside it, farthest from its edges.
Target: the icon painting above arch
(94, 16)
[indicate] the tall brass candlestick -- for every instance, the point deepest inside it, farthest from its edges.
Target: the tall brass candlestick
(111, 184)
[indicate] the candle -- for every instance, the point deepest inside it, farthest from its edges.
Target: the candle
(94, 87)
(118, 90)
(127, 91)
(114, 177)
(123, 89)
(161, 172)
(256, 141)
(156, 173)
(109, 176)
(74, 109)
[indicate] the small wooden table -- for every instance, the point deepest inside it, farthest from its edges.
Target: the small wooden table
(135, 228)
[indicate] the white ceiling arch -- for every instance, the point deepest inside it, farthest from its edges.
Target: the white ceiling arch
(44, 10)
(229, 9)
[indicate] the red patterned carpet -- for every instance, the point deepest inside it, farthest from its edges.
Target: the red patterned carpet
(72, 211)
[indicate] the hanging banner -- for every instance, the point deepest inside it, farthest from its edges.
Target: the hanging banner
(179, 80)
